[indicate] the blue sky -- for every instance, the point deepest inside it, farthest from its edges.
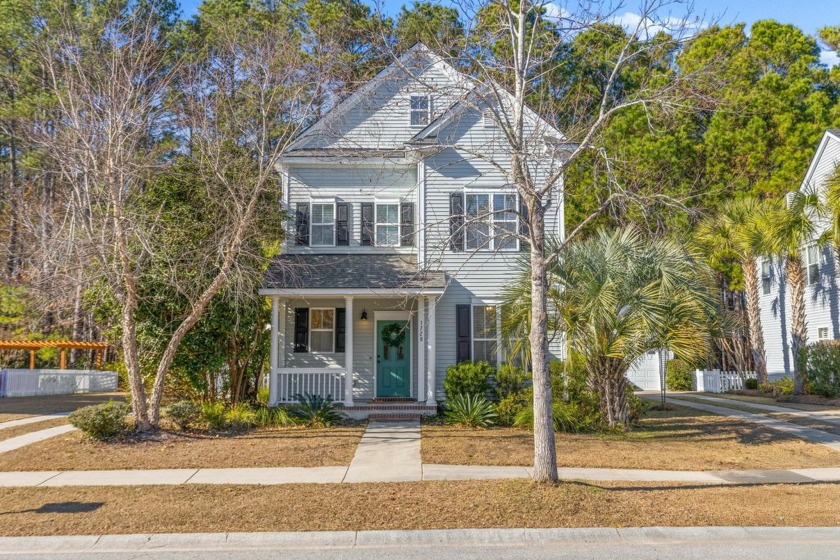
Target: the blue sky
(809, 15)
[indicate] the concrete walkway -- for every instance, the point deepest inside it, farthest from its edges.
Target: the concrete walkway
(32, 420)
(33, 437)
(387, 452)
(827, 416)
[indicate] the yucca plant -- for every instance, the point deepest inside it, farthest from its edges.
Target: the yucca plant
(470, 411)
(315, 411)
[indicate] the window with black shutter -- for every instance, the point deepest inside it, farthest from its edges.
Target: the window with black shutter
(456, 221)
(523, 227)
(342, 218)
(407, 224)
(302, 224)
(367, 223)
(340, 328)
(301, 329)
(462, 333)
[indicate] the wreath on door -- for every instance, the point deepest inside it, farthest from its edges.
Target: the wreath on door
(393, 334)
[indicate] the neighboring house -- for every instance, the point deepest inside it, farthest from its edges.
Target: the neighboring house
(822, 303)
(397, 221)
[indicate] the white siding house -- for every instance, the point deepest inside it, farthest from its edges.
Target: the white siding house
(390, 199)
(822, 304)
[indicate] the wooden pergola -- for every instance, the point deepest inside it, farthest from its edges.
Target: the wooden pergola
(63, 345)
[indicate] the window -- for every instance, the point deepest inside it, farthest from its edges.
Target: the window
(485, 333)
(491, 221)
(811, 260)
(420, 110)
(323, 224)
(488, 118)
(822, 333)
(765, 276)
(387, 225)
(321, 330)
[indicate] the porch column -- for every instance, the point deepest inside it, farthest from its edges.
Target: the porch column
(430, 345)
(272, 361)
(421, 345)
(348, 351)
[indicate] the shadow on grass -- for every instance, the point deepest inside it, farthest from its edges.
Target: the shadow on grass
(704, 486)
(61, 507)
(52, 404)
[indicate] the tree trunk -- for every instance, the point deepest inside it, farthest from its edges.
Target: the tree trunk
(798, 320)
(611, 384)
(754, 318)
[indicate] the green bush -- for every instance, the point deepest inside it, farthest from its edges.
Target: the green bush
(240, 417)
(751, 384)
(636, 406)
(184, 414)
(569, 417)
(511, 380)
(569, 378)
(263, 394)
(821, 363)
(315, 411)
(213, 414)
(782, 387)
(678, 376)
(470, 411)
(508, 408)
(101, 421)
(468, 378)
(272, 417)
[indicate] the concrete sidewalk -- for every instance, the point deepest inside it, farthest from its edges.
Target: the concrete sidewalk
(32, 420)
(827, 416)
(387, 452)
(33, 437)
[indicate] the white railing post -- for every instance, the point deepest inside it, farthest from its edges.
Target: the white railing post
(348, 351)
(272, 361)
(421, 349)
(431, 399)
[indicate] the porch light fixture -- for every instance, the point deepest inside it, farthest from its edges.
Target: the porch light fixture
(364, 314)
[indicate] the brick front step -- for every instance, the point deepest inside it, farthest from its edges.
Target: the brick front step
(381, 417)
(395, 411)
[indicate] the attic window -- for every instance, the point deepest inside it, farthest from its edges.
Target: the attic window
(488, 118)
(420, 110)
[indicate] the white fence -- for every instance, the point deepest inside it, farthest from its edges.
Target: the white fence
(321, 381)
(37, 382)
(717, 381)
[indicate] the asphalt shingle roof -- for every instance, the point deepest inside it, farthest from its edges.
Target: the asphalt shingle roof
(294, 271)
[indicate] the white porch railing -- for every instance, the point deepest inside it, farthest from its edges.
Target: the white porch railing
(315, 381)
(37, 382)
(717, 381)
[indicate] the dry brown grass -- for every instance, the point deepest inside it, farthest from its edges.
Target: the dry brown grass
(680, 439)
(802, 402)
(9, 433)
(411, 505)
(287, 447)
(24, 407)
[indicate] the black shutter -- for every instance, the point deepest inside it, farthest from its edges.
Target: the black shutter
(367, 223)
(302, 224)
(407, 224)
(523, 227)
(340, 322)
(463, 334)
(456, 221)
(301, 329)
(342, 216)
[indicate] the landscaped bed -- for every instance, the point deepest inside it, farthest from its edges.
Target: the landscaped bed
(679, 439)
(413, 505)
(278, 447)
(24, 407)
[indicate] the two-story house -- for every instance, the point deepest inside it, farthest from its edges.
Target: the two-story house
(398, 247)
(822, 299)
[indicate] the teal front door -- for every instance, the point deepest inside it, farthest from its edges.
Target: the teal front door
(393, 359)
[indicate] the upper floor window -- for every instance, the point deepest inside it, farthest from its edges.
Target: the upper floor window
(484, 333)
(321, 330)
(491, 221)
(323, 224)
(420, 110)
(387, 224)
(811, 263)
(765, 276)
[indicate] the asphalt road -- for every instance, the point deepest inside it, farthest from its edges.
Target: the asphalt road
(623, 544)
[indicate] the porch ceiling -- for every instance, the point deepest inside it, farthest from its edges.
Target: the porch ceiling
(374, 272)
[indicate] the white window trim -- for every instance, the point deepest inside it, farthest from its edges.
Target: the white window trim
(386, 202)
(807, 263)
(311, 330)
(827, 333)
(412, 111)
(497, 341)
(312, 203)
(491, 216)
(768, 277)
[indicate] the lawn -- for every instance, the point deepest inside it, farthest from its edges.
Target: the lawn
(808, 402)
(282, 447)
(679, 439)
(24, 407)
(411, 505)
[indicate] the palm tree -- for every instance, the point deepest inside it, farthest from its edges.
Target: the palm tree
(792, 227)
(619, 295)
(832, 202)
(737, 234)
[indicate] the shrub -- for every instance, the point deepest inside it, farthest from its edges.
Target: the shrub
(678, 376)
(511, 380)
(263, 395)
(821, 363)
(467, 378)
(272, 416)
(315, 411)
(636, 406)
(569, 417)
(240, 417)
(184, 414)
(782, 387)
(569, 378)
(470, 411)
(508, 408)
(101, 421)
(751, 384)
(213, 414)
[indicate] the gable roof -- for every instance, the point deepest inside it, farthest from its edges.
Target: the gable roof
(830, 135)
